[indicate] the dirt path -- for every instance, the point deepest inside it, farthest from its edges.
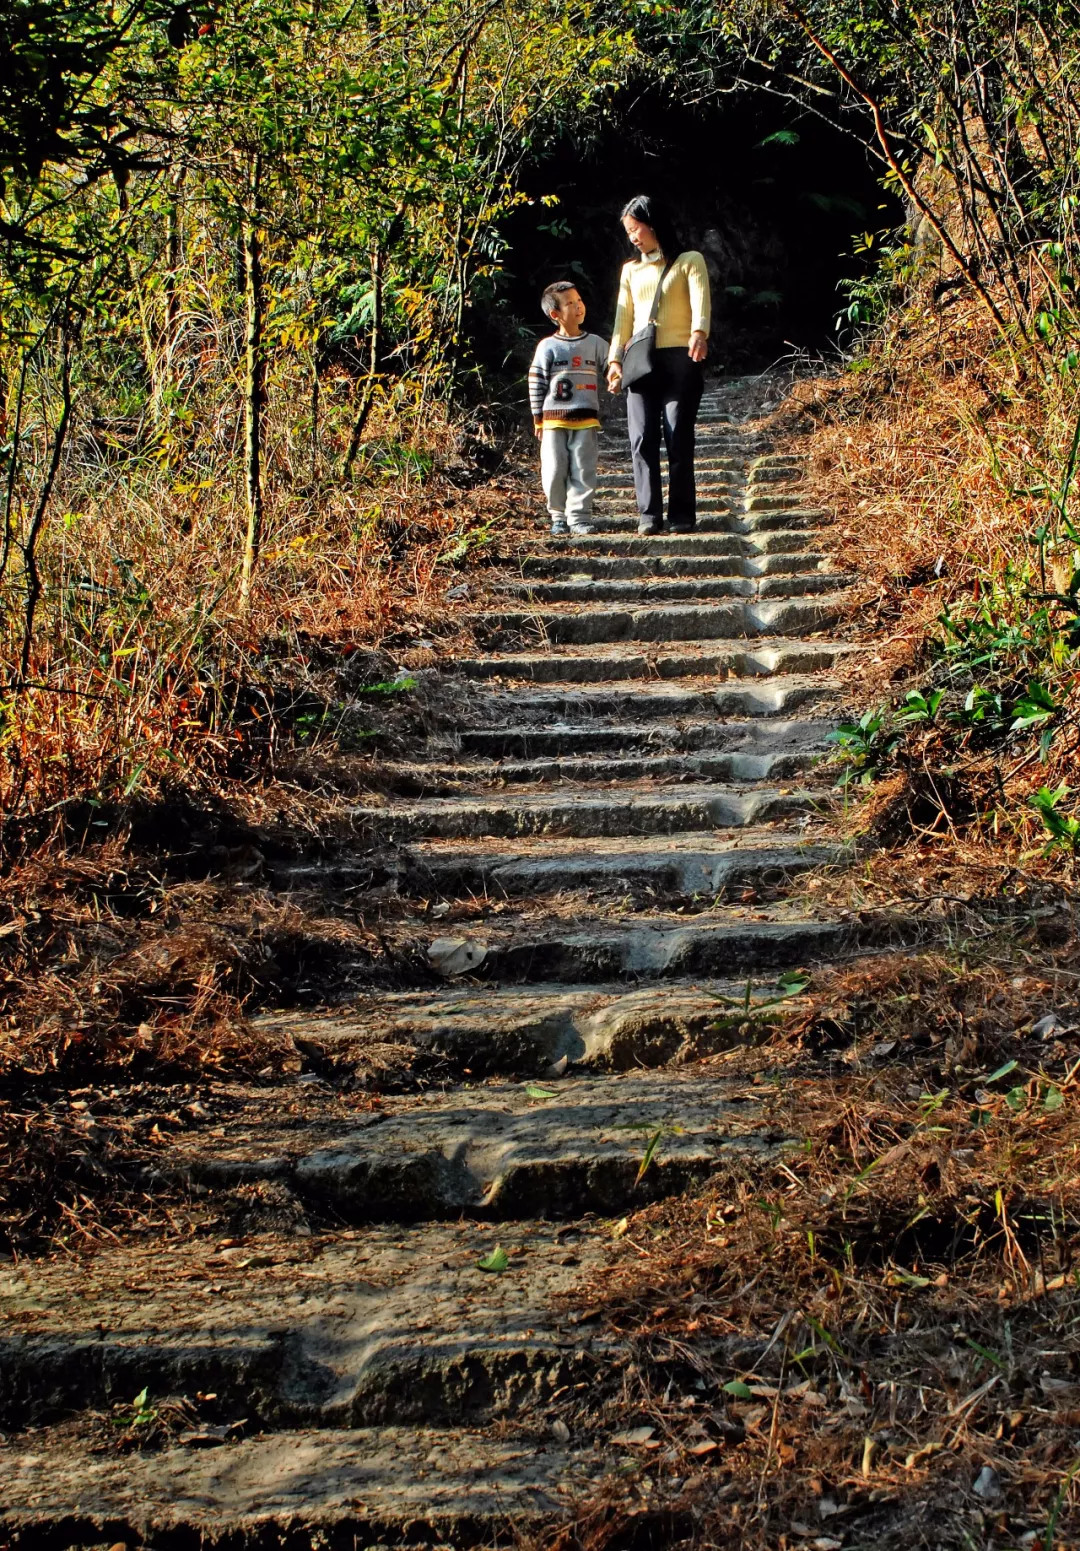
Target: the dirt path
(603, 857)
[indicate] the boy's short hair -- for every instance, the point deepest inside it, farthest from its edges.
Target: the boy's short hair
(549, 301)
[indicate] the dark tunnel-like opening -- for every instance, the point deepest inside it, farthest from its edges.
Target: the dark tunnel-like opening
(776, 201)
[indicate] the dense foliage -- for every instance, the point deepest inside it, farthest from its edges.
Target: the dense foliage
(243, 248)
(971, 110)
(229, 238)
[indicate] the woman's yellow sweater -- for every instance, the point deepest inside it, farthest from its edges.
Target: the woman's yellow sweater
(684, 302)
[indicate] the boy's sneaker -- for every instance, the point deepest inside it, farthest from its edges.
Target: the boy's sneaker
(581, 529)
(559, 528)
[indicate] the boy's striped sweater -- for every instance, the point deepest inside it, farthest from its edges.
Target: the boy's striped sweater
(564, 391)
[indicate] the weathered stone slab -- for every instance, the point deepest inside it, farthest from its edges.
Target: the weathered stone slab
(355, 1331)
(680, 865)
(299, 1490)
(434, 780)
(631, 811)
(757, 694)
(556, 734)
(532, 1029)
(495, 1152)
(676, 622)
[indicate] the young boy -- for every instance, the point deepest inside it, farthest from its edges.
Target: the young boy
(564, 395)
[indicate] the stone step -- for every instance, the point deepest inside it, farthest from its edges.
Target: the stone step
(578, 568)
(760, 522)
(772, 501)
(742, 523)
(697, 659)
(759, 695)
(351, 1331)
(713, 435)
(682, 866)
(404, 1487)
(681, 870)
(492, 1151)
(716, 498)
(712, 459)
(733, 473)
(528, 1030)
(676, 622)
(438, 780)
(768, 735)
(785, 584)
(725, 464)
(715, 468)
(757, 540)
(633, 810)
(767, 472)
(725, 940)
(612, 507)
(708, 480)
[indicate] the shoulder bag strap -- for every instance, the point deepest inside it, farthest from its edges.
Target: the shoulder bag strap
(654, 311)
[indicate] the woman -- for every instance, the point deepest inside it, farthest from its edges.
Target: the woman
(667, 399)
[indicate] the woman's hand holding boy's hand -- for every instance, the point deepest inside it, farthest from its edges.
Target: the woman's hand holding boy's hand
(614, 377)
(699, 345)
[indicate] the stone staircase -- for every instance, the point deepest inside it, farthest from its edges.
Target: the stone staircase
(597, 866)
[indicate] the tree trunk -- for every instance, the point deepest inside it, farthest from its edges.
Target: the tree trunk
(172, 268)
(254, 390)
(33, 532)
(374, 362)
(314, 416)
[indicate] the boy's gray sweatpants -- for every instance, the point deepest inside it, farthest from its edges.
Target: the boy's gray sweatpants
(568, 470)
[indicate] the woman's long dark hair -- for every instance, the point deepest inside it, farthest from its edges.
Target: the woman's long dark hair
(653, 212)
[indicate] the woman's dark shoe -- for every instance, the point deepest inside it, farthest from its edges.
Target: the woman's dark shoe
(649, 527)
(681, 527)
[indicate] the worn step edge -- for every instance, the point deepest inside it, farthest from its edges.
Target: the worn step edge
(586, 813)
(462, 1376)
(361, 1487)
(662, 589)
(717, 942)
(765, 733)
(655, 698)
(533, 1029)
(446, 780)
(332, 1333)
(749, 566)
(787, 655)
(676, 622)
(496, 1153)
(694, 873)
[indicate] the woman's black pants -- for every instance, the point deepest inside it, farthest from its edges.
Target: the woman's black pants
(666, 401)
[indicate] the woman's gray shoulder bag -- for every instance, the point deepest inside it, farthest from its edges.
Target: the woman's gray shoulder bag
(637, 361)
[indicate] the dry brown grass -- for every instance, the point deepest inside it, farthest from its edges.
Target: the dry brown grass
(144, 677)
(835, 1355)
(876, 1346)
(940, 464)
